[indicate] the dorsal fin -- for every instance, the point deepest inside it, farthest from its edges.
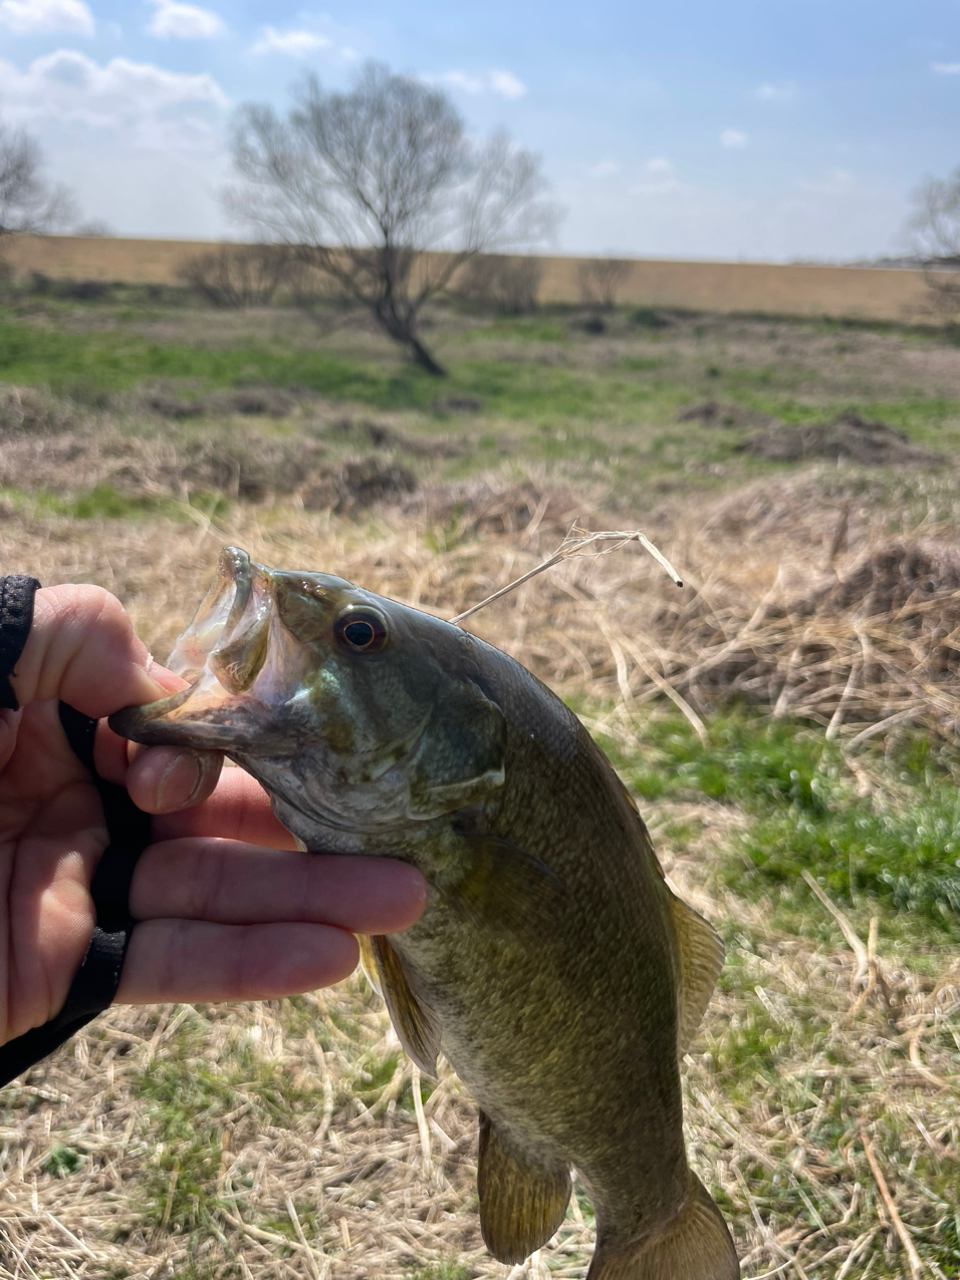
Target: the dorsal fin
(701, 959)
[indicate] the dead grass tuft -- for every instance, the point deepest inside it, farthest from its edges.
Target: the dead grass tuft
(874, 644)
(29, 411)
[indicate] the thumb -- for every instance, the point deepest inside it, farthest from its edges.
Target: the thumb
(83, 650)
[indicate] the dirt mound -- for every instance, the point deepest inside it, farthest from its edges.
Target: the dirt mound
(364, 483)
(480, 507)
(247, 466)
(249, 401)
(382, 436)
(901, 578)
(168, 405)
(874, 644)
(268, 402)
(849, 437)
(712, 413)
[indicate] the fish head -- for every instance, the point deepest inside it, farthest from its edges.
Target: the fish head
(354, 711)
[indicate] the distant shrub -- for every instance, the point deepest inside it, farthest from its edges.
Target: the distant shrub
(237, 275)
(509, 285)
(648, 318)
(601, 278)
(83, 290)
(594, 325)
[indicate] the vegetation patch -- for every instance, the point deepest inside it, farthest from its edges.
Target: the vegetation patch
(892, 847)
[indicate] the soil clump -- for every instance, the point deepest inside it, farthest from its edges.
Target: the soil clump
(713, 413)
(849, 437)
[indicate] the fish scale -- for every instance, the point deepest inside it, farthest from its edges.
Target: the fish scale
(553, 966)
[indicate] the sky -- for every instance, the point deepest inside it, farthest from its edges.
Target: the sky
(756, 130)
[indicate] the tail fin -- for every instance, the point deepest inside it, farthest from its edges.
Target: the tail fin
(695, 1245)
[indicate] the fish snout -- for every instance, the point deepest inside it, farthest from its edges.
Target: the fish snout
(221, 654)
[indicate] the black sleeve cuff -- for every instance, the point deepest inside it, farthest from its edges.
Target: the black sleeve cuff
(16, 615)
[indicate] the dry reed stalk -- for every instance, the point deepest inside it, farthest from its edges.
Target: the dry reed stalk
(913, 1258)
(577, 543)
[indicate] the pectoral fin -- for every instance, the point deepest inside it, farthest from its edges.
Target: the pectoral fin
(503, 888)
(368, 962)
(701, 959)
(415, 1023)
(522, 1202)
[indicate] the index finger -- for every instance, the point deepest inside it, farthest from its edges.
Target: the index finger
(239, 809)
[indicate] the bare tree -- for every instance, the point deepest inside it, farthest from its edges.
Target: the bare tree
(600, 279)
(363, 184)
(936, 239)
(27, 201)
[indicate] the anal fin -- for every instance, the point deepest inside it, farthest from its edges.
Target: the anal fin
(701, 959)
(417, 1026)
(522, 1201)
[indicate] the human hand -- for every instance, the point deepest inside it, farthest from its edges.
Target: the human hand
(229, 910)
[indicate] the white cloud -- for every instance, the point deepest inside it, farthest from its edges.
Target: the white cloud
(604, 169)
(502, 82)
(782, 91)
(507, 85)
(733, 138)
(29, 17)
(150, 107)
(173, 21)
(946, 68)
(296, 44)
(660, 180)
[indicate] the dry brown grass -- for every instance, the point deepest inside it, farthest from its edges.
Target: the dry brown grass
(706, 286)
(318, 1161)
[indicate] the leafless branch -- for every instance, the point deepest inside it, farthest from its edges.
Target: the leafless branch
(380, 190)
(28, 203)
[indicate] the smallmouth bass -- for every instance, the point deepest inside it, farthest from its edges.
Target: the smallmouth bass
(553, 966)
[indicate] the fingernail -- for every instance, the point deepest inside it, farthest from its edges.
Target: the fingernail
(180, 782)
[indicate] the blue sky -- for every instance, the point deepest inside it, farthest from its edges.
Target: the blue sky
(765, 130)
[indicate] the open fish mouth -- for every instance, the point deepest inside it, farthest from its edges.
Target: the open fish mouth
(223, 653)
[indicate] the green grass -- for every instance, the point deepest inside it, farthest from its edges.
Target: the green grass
(88, 365)
(104, 502)
(896, 849)
(62, 1160)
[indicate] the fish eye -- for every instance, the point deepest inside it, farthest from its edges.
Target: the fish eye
(361, 631)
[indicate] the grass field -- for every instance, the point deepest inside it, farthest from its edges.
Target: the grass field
(788, 722)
